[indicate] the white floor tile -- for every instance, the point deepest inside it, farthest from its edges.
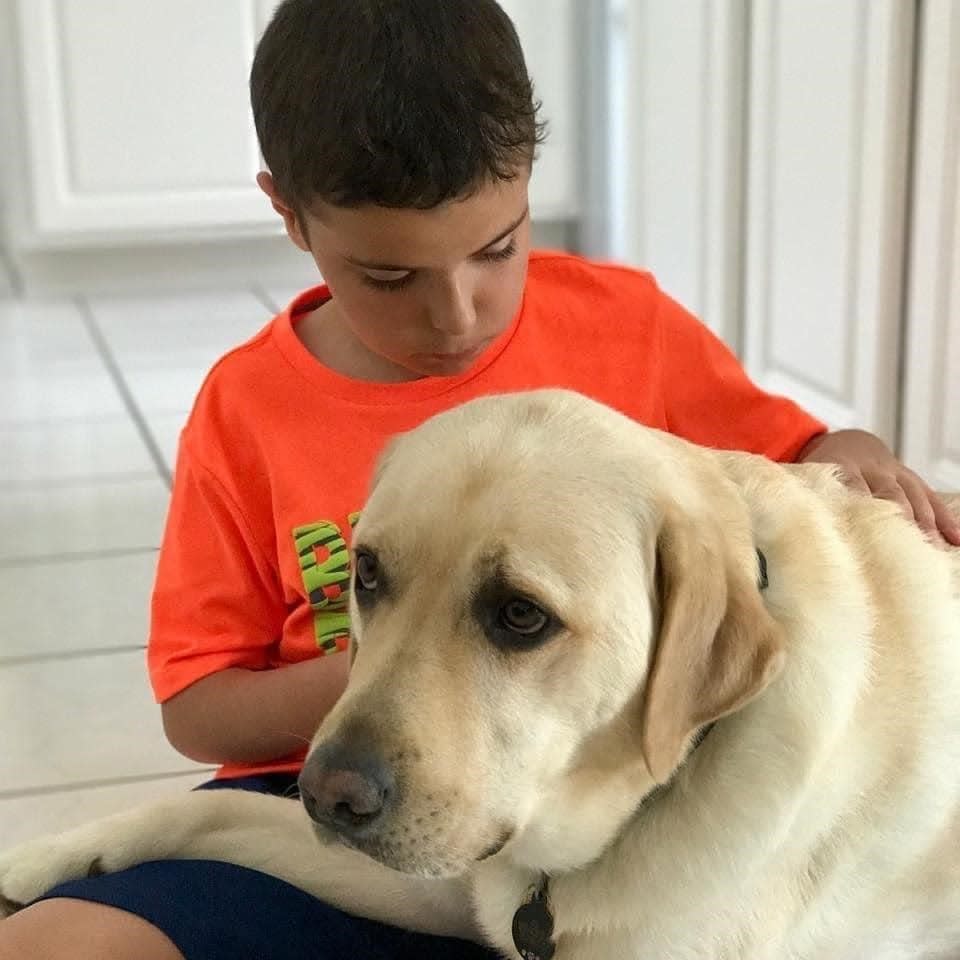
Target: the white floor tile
(82, 518)
(49, 366)
(25, 817)
(76, 396)
(44, 338)
(78, 488)
(185, 331)
(84, 603)
(56, 453)
(165, 428)
(81, 718)
(165, 389)
(165, 346)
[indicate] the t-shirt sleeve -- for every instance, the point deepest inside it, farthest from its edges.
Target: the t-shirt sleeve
(710, 400)
(217, 601)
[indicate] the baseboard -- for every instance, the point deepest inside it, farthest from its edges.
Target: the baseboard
(252, 262)
(262, 261)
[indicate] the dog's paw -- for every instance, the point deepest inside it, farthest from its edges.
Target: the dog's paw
(35, 867)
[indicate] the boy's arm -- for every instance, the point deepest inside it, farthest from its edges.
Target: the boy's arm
(254, 716)
(218, 612)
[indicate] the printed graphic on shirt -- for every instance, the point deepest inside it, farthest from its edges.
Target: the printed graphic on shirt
(325, 566)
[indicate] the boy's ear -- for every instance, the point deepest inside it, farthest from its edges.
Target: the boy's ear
(290, 219)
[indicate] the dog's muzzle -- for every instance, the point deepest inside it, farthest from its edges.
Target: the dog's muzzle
(346, 790)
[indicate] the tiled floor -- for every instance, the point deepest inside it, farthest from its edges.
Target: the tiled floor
(92, 397)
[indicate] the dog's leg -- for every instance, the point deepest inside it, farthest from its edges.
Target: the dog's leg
(267, 833)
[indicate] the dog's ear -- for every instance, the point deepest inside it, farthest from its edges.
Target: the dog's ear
(717, 646)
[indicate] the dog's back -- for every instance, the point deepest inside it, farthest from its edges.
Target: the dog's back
(903, 746)
(871, 863)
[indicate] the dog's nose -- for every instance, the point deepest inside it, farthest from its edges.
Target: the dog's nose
(345, 790)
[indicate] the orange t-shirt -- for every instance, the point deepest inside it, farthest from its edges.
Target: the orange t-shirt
(275, 458)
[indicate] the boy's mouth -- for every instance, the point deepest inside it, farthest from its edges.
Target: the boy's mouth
(459, 356)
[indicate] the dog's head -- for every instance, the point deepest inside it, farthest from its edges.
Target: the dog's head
(548, 602)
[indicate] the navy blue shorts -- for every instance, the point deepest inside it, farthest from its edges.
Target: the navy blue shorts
(218, 911)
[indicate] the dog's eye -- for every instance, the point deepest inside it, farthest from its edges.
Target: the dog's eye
(523, 617)
(366, 564)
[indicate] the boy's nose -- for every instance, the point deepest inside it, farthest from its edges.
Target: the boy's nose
(454, 313)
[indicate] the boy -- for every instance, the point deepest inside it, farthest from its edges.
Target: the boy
(400, 137)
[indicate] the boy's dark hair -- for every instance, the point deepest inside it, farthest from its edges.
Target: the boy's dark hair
(399, 103)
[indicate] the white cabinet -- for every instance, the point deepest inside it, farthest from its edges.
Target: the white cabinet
(136, 123)
(682, 131)
(793, 176)
(137, 119)
(547, 33)
(931, 415)
(830, 87)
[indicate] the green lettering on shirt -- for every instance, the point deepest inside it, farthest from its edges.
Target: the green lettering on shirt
(325, 565)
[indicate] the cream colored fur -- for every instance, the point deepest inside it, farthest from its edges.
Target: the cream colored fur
(820, 818)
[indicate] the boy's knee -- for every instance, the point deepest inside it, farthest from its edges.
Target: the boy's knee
(81, 930)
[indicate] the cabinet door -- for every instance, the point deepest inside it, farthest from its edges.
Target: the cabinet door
(931, 421)
(137, 119)
(830, 85)
(138, 123)
(683, 96)
(546, 31)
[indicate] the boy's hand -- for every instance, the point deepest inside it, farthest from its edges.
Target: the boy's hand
(868, 465)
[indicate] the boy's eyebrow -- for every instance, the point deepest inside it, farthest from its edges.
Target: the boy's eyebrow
(396, 268)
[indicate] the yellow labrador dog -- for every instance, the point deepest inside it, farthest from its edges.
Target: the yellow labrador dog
(614, 696)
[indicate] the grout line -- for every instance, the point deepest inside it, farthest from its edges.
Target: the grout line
(264, 298)
(38, 559)
(59, 656)
(51, 482)
(95, 419)
(100, 341)
(75, 786)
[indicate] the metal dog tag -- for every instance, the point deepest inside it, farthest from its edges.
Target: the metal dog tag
(533, 928)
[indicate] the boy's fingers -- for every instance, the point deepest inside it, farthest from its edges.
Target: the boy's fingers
(921, 502)
(903, 487)
(945, 520)
(887, 486)
(854, 479)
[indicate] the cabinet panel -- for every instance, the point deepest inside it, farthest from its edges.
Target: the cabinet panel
(546, 31)
(931, 420)
(826, 192)
(684, 102)
(147, 134)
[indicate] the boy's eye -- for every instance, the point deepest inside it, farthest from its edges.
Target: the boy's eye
(388, 279)
(501, 253)
(398, 279)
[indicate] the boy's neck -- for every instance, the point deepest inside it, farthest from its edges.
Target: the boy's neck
(328, 338)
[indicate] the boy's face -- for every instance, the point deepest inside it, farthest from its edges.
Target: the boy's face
(415, 292)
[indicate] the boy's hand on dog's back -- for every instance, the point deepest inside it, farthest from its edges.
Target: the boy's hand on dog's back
(867, 464)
